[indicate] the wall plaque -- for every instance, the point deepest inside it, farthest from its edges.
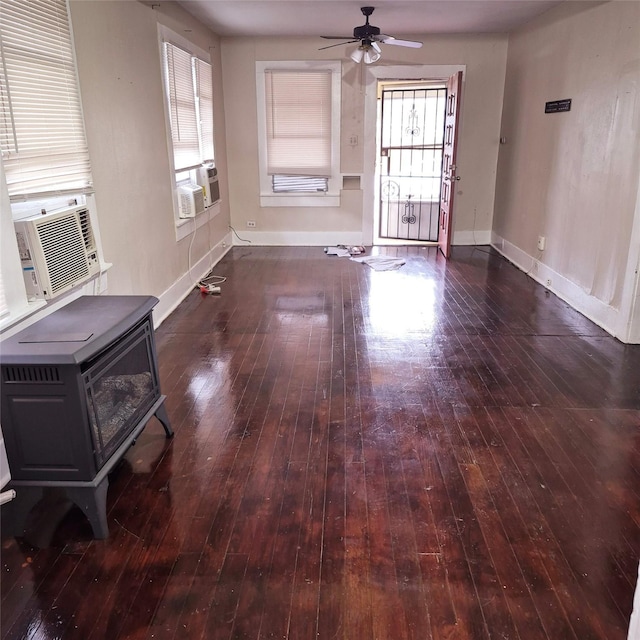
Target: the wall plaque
(556, 106)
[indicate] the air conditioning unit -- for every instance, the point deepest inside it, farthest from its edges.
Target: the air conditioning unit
(190, 200)
(57, 251)
(207, 178)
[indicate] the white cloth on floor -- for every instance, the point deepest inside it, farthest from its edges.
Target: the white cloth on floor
(341, 252)
(381, 263)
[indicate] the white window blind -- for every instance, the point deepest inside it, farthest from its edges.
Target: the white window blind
(204, 95)
(190, 102)
(42, 136)
(298, 122)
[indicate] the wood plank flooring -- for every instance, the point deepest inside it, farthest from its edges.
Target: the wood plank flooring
(444, 451)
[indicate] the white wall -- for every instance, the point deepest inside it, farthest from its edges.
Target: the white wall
(485, 61)
(120, 77)
(573, 177)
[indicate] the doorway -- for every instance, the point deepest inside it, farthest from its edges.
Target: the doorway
(428, 76)
(409, 168)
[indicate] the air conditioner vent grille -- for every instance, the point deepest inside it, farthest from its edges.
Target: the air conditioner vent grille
(87, 231)
(38, 375)
(63, 247)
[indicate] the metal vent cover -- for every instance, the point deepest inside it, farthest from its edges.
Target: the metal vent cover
(31, 374)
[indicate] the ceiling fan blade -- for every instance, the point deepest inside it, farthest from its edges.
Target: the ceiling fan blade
(400, 43)
(337, 44)
(336, 37)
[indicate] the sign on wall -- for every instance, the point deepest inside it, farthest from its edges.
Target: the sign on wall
(555, 106)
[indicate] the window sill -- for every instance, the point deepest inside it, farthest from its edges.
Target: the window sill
(186, 226)
(94, 286)
(297, 200)
(21, 313)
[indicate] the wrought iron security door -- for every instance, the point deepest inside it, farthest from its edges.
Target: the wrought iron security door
(411, 162)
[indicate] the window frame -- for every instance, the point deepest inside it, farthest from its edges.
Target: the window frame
(184, 226)
(269, 198)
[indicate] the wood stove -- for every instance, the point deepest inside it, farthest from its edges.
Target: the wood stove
(77, 389)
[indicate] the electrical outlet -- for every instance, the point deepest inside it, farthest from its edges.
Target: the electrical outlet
(251, 224)
(541, 243)
(548, 282)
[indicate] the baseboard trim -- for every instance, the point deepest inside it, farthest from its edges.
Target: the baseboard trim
(600, 313)
(471, 238)
(298, 238)
(180, 289)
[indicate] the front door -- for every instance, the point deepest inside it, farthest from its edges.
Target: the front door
(449, 174)
(411, 145)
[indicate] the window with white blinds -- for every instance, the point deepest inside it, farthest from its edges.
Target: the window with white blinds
(42, 136)
(298, 120)
(189, 93)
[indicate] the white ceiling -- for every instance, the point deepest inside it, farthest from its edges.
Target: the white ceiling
(339, 17)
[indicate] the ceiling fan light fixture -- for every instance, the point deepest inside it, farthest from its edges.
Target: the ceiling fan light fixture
(371, 56)
(357, 54)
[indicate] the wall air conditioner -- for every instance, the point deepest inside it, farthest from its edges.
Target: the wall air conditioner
(57, 251)
(190, 200)
(207, 178)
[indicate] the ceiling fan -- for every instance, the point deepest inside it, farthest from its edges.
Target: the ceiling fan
(369, 36)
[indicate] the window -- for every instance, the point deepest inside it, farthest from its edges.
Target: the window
(298, 124)
(188, 87)
(189, 95)
(43, 147)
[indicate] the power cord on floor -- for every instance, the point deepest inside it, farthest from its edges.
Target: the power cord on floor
(237, 236)
(211, 284)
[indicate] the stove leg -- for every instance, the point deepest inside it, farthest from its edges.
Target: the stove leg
(163, 417)
(93, 502)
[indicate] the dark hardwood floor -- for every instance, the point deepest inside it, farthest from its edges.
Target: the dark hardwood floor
(444, 451)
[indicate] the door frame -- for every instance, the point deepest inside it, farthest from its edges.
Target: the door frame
(373, 75)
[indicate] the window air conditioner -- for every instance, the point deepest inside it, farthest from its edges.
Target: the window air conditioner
(207, 178)
(190, 200)
(57, 251)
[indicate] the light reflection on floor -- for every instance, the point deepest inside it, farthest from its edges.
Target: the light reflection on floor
(401, 303)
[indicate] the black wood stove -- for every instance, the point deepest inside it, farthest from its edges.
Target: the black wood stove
(78, 387)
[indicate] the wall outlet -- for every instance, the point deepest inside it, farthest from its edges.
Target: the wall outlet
(541, 243)
(548, 282)
(251, 224)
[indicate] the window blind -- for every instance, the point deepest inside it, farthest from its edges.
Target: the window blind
(182, 109)
(190, 98)
(298, 110)
(204, 94)
(42, 136)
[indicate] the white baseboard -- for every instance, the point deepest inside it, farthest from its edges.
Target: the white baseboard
(332, 238)
(298, 238)
(471, 238)
(180, 289)
(602, 314)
